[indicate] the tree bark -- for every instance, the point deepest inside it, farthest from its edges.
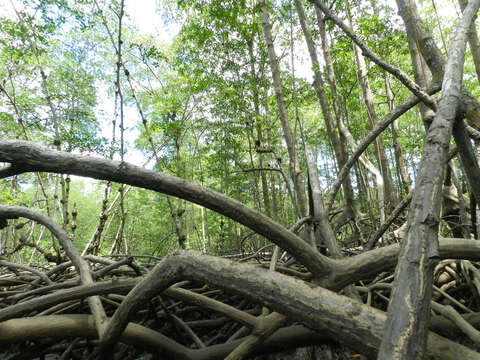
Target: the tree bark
(382, 125)
(408, 311)
(399, 74)
(339, 142)
(358, 326)
(467, 158)
(295, 172)
(421, 75)
(258, 127)
(417, 31)
(28, 156)
(322, 227)
(397, 148)
(389, 193)
(94, 302)
(473, 42)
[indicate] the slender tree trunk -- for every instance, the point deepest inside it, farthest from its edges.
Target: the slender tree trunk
(202, 211)
(322, 228)
(337, 141)
(421, 75)
(258, 127)
(477, 211)
(294, 165)
(273, 176)
(179, 211)
(475, 50)
(435, 60)
(389, 193)
(473, 42)
(370, 167)
(397, 148)
(204, 238)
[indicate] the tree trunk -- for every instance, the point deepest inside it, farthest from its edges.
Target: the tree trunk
(322, 227)
(258, 126)
(421, 75)
(397, 148)
(338, 141)
(389, 193)
(294, 165)
(473, 42)
(409, 308)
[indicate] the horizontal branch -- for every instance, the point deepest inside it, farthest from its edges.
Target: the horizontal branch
(370, 263)
(74, 293)
(40, 274)
(9, 212)
(333, 274)
(256, 169)
(63, 326)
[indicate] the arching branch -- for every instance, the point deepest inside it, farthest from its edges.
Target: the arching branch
(399, 74)
(29, 156)
(9, 212)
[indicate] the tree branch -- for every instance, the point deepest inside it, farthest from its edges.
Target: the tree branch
(8, 212)
(371, 136)
(358, 326)
(24, 153)
(409, 308)
(399, 74)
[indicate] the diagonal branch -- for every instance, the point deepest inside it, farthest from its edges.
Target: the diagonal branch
(399, 74)
(371, 136)
(13, 212)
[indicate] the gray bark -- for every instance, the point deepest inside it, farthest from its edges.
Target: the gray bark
(358, 326)
(9, 212)
(389, 193)
(399, 160)
(322, 227)
(295, 172)
(382, 125)
(467, 159)
(405, 330)
(417, 31)
(331, 273)
(27, 156)
(339, 142)
(399, 74)
(473, 42)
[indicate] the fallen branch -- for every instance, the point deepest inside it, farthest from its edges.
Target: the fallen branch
(358, 326)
